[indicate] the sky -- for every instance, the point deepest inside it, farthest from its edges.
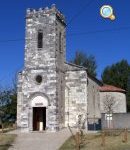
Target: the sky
(87, 31)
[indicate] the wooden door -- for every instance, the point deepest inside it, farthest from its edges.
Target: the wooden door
(39, 115)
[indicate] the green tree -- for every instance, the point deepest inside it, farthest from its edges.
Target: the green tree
(128, 94)
(117, 74)
(11, 107)
(4, 101)
(8, 105)
(87, 61)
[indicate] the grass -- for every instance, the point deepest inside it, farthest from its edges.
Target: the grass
(6, 140)
(6, 130)
(93, 142)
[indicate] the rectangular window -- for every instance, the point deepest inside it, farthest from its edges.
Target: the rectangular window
(40, 39)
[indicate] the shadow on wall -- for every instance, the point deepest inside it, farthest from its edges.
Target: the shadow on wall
(94, 124)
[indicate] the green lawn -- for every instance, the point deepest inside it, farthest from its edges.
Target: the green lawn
(93, 142)
(6, 140)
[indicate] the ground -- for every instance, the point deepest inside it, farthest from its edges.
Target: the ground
(6, 140)
(40, 140)
(93, 142)
(56, 141)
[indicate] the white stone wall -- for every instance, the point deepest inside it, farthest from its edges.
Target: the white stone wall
(119, 101)
(75, 96)
(48, 62)
(93, 99)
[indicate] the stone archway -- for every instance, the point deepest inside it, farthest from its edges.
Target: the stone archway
(39, 105)
(39, 101)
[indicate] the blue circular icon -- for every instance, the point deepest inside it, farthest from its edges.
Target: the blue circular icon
(106, 11)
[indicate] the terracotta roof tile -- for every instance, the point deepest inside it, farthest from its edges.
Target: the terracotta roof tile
(110, 88)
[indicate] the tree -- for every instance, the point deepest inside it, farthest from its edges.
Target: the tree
(79, 137)
(87, 61)
(11, 108)
(117, 74)
(8, 107)
(8, 104)
(4, 101)
(128, 94)
(109, 105)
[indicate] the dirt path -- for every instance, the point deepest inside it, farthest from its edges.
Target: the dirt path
(40, 141)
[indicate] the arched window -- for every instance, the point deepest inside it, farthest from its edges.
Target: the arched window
(40, 39)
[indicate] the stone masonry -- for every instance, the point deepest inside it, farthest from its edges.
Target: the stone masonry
(48, 62)
(75, 94)
(52, 93)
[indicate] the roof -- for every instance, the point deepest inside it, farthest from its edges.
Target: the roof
(74, 65)
(95, 79)
(111, 88)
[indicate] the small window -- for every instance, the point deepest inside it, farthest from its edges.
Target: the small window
(40, 39)
(38, 79)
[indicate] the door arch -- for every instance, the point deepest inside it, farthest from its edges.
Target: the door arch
(39, 105)
(39, 101)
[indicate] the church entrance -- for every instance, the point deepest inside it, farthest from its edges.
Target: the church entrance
(39, 118)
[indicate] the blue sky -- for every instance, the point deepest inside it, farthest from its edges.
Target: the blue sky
(108, 41)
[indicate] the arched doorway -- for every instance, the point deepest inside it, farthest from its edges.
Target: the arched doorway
(39, 106)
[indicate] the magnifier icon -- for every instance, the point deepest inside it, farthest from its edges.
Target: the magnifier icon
(106, 11)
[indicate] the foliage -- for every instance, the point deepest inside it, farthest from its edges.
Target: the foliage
(117, 74)
(128, 94)
(87, 61)
(4, 101)
(8, 105)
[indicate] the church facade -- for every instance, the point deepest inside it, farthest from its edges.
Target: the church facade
(51, 92)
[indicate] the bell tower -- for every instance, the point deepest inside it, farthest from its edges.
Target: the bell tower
(41, 83)
(45, 42)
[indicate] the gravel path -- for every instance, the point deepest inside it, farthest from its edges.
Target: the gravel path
(40, 141)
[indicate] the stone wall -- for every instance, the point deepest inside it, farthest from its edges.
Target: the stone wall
(31, 89)
(119, 121)
(75, 94)
(49, 21)
(119, 100)
(93, 99)
(60, 69)
(93, 113)
(48, 62)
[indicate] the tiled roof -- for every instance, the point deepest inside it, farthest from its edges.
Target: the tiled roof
(110, 88)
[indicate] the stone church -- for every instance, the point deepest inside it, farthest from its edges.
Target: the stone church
(51, 92)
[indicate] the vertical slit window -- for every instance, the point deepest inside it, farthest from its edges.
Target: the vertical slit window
(40, 39)
(60, 42)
